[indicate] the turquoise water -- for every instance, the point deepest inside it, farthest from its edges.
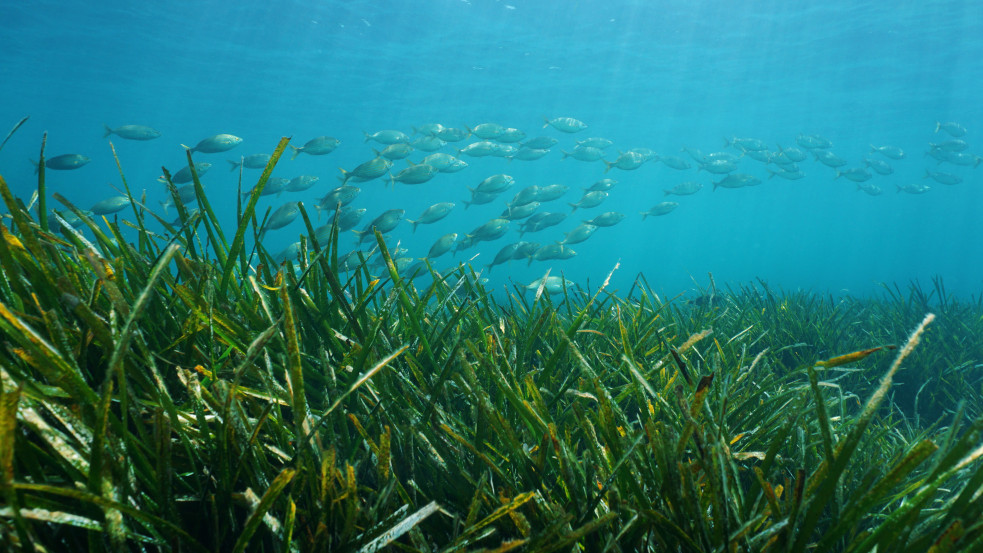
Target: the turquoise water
(659, 75)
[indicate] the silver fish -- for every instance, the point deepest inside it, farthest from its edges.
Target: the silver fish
(395, 151)
(442, 245)
(684, 189)
(565, 124)
(951, 127)
(216, 144)
(110, 205)
(432, 214)
(318, 146)
(132, 132)
(301, 183)
(254, 161)
(588, 200)
(658, 209)
(387, 137)
(580, 233)
(64, 162)
(892, 152)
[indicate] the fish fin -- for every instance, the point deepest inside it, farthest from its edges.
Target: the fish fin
(234, 165)
(107, 132)
(164, 205)
(188, 148)
(938, 126)
(297, 152)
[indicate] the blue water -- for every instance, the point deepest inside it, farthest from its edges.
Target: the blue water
(661, 75)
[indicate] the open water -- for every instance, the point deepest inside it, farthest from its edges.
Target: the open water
(655, 74)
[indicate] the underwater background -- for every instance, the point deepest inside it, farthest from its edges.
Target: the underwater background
(659, 75)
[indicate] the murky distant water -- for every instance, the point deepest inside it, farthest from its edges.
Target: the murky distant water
(659, 75)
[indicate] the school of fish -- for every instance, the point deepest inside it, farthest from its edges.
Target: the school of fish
(534, 208)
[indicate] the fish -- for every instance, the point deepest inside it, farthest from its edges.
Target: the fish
(942, 177)
(518, 212)
(813, 142)
(428, 143)
(494, 184)
(540, 143)
(414, 174)
(510, 136)
(856, 174)
(684, 189)
(492, 230)
(215, 144)
(525, 250)
(342, 195)
(718, 166)
(432, 214)
(283, 216)
(746, 144)
(110, 205)
(504, 255)
(961, 158)
(661, 208)
(479, 149)
(871, 189)
(455, 166)
(552, 251)
(551, 192)
(627, 161)
(480, 198)
(541, 221)
(914, 188)
(892, 152)
(950, 127)
(584, 153)
(429, 128)
(301, 183)
(954, 145)
(786, 174)
(132, 132)
(442, 245)
(794, 154)
(290, 253)
(384, 223)
(505, 150)
(588, 200)
(184, 175)
(254, 161)
(602, 185)
(565, 124)
(647, 153)
(764, 156)
(487, 131)
(441, 162)
(525, 196)
(371, 169)
(387, 137)
(553, 285)
(829, 159)
(607, 219)
(528, 154)
(595, 142)
(395, 151)
(675, 162)
(737, 180)
(879, 167)
(274, 185)
(64, 162)
(450, 134)
(185, 193)
(318, 146)
(579, 233)
(347, 217)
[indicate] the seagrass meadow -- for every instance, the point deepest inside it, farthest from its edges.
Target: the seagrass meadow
(182, 391)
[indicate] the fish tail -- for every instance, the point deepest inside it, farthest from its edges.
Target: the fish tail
(927, 174)
(186, 147)
(715, 185)
(644, 214)
(574, 206)
(873, 148)
(412, 222)
(666, 193)
(466, 204)
(566, 155)
(37, 166)
(107, 132)
(838, 175)
(297, 152)
(547, 121)
(609, 165)
(771, 173)
(367, 136)
(938, 126)
(898, 187)
(165, 205)
(234, 165)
